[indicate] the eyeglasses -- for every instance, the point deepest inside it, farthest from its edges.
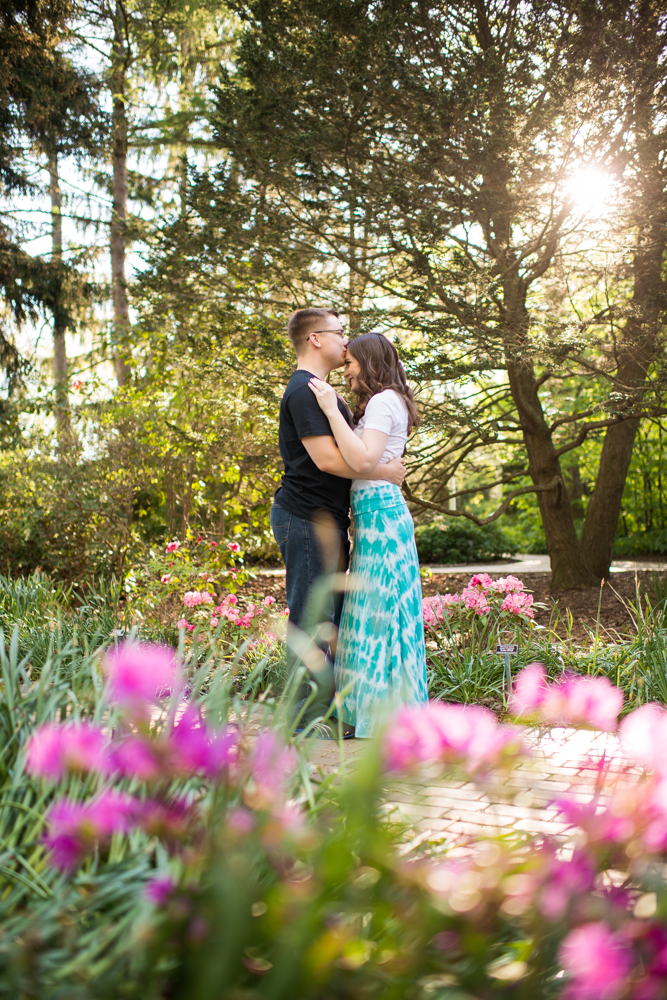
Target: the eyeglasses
(339, 333)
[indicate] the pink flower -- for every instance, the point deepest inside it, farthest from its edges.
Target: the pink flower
(244, 621)
(213, 545)
(240, 820)
(54, 750)
(233, 546)
(272, 765)
(482, 580)
(159, 889)
(165, 579)
(270, 637)
(268, 601)
(195, 597)
(231, 599)
(563, 882)
(134, 757)
(173, 546)
(75, 827)
(529, 690)
(214, 622)
(598, 962)
(195, 748)
(169, 821)
(519, 604)
(182, 623)
(643, 734)
(465, 734)
(139, 673)
(475, 600)
(592, 701)
(206, 597)
(507, 585)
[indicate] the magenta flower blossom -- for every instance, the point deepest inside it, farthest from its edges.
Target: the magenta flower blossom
(54, 750)
(591, 701)
(233, 546)
(182, 623)
(193, 747)
(195, 597)
(165, 579)
(598, 961)
(464, 734)
(140, 673)
(643, 734)
(173, 546)
(75, 827)
(135, 757)
(270, 637)
(529, 690)
(214, 622)
(475, 599)
(564, 882)
(482, 580)
(519, 604)
(268, 601)
(507, 585)
(272, 765)
(159, 889)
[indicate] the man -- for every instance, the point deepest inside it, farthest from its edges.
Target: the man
(310, 513)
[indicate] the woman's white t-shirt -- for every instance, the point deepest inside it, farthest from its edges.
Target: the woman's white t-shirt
(386, 412)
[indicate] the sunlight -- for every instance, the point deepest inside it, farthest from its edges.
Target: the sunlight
(591, 190)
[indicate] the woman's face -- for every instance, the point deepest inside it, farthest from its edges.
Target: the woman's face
(352, 372)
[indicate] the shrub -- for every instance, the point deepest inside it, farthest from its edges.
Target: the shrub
(461, 541)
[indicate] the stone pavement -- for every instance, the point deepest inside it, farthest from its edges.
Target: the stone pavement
(439, 808)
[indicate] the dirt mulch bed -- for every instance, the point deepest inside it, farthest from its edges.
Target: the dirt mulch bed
(615, 618)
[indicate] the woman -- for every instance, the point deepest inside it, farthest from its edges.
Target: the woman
(380, 659)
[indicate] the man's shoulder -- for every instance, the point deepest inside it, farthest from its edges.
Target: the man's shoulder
(297, 391)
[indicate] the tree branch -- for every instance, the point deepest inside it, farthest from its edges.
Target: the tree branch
(481, 521)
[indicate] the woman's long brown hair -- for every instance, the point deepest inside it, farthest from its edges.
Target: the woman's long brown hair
(380, 369)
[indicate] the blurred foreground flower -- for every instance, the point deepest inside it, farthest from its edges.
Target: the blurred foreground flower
(467, 735)
(140, 673)
(54, 750)
(591, 701)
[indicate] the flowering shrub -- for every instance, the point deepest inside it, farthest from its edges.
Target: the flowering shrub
(481, 597)
(197, 567)
(462, 631)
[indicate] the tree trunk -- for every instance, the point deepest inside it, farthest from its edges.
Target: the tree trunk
(63, 424)
(118, 241)
(640, 342)
(568, 571)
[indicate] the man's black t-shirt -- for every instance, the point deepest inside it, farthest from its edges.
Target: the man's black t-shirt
(304, 489)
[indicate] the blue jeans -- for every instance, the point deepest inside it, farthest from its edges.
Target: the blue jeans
(311, 551)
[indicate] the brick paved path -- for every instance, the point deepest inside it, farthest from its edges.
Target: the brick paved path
(439, 808)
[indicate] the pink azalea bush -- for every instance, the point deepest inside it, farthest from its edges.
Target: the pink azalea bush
(229, 614)
(482, 596)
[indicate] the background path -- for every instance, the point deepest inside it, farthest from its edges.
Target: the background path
(437, 808)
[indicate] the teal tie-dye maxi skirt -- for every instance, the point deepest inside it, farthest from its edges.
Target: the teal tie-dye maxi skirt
(380, 657)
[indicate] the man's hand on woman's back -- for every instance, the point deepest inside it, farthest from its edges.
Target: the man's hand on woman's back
(394, 471)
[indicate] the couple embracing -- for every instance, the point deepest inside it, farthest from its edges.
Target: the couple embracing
(336, 460)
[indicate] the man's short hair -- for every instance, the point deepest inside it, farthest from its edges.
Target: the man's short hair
(304, 321)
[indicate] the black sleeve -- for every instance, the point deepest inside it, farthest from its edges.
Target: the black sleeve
(309, 420)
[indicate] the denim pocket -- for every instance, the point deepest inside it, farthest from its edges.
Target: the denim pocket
(280, 522)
